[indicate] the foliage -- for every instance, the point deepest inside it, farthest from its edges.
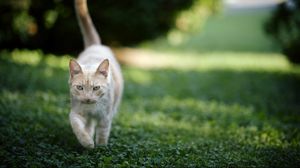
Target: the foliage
(284, 27)
(52, 26)
(236, 111)
(191, 21)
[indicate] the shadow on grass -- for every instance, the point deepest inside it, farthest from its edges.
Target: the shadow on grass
(28, 78)
(273, 93)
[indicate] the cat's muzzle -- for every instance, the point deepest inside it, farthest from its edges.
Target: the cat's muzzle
(88, 101)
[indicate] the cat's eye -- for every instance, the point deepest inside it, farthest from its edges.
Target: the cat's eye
(79, 87)
(96, 88)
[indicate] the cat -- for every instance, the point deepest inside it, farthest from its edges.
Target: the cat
(96, 85)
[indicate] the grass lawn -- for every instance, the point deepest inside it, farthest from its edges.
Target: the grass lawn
(231, 30)
(213, 110)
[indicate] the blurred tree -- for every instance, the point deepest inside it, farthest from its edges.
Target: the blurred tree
(284, 27)
(51, 25)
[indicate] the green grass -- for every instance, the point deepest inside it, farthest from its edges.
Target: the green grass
(215, 110)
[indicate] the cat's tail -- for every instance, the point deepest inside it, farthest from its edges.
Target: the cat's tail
(88, 30)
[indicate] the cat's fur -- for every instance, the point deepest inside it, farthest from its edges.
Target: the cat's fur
(96, 85)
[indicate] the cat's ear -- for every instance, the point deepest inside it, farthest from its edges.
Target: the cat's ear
(103, 68)
(74, 68)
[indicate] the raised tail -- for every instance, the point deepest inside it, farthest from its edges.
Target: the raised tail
(88, 30)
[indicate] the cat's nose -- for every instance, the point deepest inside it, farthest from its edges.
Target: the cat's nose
(89, 101)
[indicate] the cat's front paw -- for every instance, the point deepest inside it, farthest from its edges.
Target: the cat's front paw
(88, 144)
(86, 141)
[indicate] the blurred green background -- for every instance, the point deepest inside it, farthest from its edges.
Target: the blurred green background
(207, 83)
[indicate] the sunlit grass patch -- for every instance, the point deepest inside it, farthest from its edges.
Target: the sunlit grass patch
(200, 117)
(36, 57)
(151, 59)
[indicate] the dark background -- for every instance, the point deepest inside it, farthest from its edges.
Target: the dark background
(51, 25)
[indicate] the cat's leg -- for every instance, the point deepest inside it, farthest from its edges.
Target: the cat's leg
(90, 127)
(103, 131)
(78, 124)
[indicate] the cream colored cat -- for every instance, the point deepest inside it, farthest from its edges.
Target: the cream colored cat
(96, 85)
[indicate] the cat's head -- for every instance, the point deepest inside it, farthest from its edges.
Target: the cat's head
(88, 86)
